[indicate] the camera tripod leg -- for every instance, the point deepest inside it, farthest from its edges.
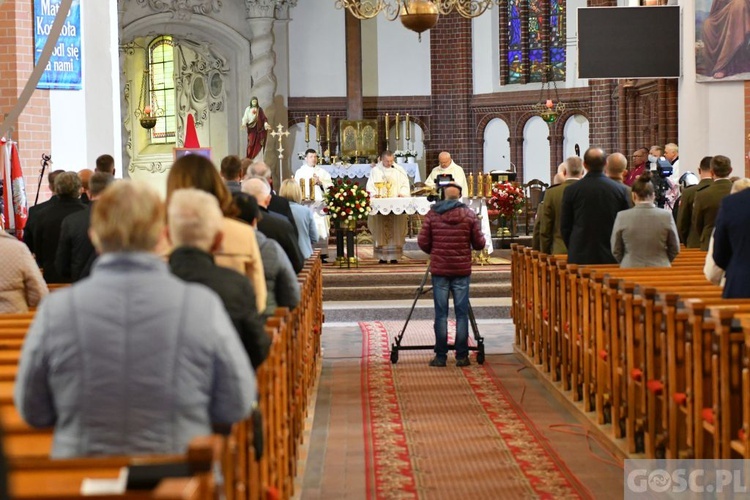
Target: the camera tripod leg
(477, 337)
(420, 291)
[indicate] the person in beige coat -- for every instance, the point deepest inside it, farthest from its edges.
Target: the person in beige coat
(239, 247)
(21, 282)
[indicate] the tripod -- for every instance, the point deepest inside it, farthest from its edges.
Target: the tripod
(396, 346)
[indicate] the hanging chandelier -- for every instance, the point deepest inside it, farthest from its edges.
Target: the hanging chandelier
(416, 15)
(549, 107)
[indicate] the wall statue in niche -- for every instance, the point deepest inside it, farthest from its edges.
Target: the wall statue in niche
(200, 83)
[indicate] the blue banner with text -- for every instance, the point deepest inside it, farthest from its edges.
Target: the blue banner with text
(63, 72)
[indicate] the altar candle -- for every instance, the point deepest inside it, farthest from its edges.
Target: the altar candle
(317, 127)
(488, 186)
(480, 186)
(312, 188)
(397, 134)
(307, 128)
(471, 184)
(328, 128)
(408, 132)
(303, 188)
(386, 129)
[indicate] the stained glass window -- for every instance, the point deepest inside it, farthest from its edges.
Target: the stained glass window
(542, 23)
(161, 87)
(515, 54)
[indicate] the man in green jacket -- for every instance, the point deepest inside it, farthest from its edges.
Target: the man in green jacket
(551, 241)
(688, 236)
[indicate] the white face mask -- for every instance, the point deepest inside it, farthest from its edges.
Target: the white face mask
(652, 158)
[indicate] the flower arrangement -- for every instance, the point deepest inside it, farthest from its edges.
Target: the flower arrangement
(410, 152)
(506, 198)
(346, 201)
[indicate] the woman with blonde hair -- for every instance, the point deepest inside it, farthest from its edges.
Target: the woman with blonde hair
(307, 232)
(239, 247)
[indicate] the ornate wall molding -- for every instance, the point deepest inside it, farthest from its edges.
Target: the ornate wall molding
(202, 80)
(184, 9)
(278, 9)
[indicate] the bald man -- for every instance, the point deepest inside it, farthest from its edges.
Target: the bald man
(447, 166)
(85, 175)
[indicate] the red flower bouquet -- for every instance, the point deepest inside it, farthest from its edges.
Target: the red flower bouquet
(346, 201)
(506, 199)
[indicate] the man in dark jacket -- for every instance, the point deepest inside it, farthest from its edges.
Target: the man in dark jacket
(588, 211)
(195, 230)
(47, 230)
(449, 232)
(36, 210)
(75, 252)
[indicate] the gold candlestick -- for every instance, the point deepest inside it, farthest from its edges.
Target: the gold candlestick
(480, 185)
(386, 130)
(307, 128)
(471, 184)
(408, 132)
(303, 188)
(328, 128)
(488, 186)
(312, 189)
(397, 134)
(317, 127)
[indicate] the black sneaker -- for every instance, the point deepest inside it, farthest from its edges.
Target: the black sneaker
(382, 261)
(440, 362)
(394, 261)
(463, 361)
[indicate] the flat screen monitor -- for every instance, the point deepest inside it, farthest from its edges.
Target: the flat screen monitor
(629, 42)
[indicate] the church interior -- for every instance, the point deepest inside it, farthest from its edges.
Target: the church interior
(578, 374)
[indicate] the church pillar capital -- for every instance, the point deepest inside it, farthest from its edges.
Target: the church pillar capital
(269, 9)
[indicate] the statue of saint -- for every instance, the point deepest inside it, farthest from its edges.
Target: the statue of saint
(256, 123)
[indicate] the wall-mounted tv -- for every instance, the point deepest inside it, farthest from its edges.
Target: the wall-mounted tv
(629, 42)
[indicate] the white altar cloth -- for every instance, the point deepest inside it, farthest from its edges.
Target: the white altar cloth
(420, 205)
(363, 170)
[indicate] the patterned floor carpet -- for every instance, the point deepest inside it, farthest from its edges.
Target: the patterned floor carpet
(448, 432)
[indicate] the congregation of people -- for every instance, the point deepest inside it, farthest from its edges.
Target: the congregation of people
(174, 294)
(600, 211)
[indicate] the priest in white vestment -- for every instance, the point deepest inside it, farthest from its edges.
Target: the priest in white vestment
(311, 170)
(322, 181)
(447, 167)
(388, 231)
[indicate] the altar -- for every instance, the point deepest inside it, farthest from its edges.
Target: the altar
(420, 206)
(359, 171)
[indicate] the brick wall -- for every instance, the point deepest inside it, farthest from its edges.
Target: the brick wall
(32, 131)
(452, 88)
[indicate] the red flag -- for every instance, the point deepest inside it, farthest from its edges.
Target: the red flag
(191, 135)
(20, 204)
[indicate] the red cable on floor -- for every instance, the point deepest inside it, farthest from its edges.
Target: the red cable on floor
(589, 436)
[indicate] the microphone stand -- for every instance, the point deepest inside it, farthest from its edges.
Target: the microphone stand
(45, 163)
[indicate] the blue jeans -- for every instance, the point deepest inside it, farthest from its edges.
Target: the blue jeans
(442, 286)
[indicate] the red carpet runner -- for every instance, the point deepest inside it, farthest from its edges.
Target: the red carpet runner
(448, 432)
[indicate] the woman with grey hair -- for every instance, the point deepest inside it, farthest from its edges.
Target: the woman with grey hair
(132, 360)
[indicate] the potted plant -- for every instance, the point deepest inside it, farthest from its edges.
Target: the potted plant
(411, 156)
(399, 156)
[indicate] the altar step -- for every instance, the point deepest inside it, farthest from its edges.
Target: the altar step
(393, 283)
(489, 308)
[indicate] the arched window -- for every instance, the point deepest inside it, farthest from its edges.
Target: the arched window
(535, 39)
(161, 88)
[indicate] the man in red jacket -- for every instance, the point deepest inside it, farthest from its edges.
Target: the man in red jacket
(449, 232)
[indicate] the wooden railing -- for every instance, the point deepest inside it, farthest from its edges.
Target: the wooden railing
(285, 381)
(655, 354)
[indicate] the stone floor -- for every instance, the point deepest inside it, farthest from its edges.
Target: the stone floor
(333, 464)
